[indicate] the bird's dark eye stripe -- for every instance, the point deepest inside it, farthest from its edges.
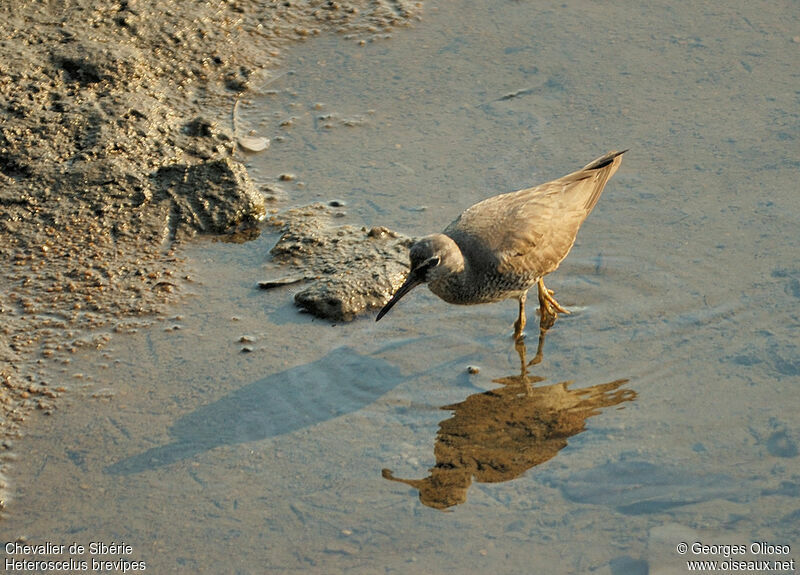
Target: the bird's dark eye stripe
(426, 265)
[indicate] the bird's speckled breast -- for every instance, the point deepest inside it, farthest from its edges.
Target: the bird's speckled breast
(488, 287)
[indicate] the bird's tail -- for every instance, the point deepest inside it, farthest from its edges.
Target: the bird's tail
(601, 170)
(604, 160)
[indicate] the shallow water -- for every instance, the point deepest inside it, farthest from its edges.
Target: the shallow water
(685, 281)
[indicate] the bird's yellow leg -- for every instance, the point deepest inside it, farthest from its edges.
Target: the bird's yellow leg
(519, 325)
(548, 306)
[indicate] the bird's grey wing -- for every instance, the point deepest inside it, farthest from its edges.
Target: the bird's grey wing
(532, 230)
(537, 235)
(518, 233)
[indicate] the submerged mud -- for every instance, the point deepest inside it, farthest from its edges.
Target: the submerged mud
(118, 142)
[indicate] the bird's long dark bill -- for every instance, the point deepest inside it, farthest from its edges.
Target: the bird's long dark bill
(413, 281)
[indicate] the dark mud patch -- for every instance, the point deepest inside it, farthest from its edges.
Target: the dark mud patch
(117, 144)
(350, 270)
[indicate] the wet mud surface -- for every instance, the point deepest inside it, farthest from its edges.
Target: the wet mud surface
(119, 143)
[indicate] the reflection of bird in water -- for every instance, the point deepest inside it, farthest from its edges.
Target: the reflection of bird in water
(503, 246)
(499, 434)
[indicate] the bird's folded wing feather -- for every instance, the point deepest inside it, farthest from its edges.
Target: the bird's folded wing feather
(532, 230)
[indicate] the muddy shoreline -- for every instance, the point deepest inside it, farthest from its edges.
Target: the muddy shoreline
(118, 145)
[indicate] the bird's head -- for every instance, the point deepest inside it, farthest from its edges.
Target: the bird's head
(432, 258)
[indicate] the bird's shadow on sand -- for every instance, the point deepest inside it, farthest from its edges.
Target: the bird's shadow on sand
(341, 382)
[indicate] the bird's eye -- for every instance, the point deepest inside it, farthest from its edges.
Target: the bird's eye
(422, 269)
(431, 262)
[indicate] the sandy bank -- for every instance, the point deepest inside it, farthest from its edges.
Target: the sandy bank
(117, 144)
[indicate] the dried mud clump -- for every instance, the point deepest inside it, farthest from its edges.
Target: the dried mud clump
(213, 196)
(350, 269)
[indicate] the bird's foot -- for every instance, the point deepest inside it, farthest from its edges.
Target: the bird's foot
(548, 307)
(546, 297)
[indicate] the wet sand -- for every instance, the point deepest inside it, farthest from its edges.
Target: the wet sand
(119, 143)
